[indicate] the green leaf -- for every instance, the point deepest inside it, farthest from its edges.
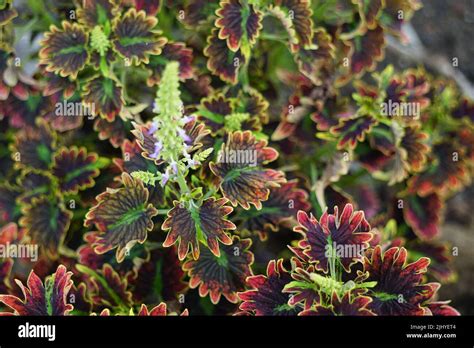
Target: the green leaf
(203, 155)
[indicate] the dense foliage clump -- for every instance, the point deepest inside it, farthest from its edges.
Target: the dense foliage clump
(245, 157)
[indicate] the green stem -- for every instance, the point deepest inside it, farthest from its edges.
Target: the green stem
(211, 192)
(333, 261)
(339, 268)
(64, 250)
(154, 245)
(271, 37)
(183, 186)
(162, 211)
(315, 200)
(104, 67)
(123, 81)
(244, 75)
(184, 189)
(332, 266)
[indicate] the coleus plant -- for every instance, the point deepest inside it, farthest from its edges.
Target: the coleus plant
(163, 154)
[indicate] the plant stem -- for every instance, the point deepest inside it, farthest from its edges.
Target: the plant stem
(64, 250)
(183, 186)
(162, 211)
(123, 81)
(271, 37)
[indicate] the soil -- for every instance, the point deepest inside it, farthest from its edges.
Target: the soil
(447, 27)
